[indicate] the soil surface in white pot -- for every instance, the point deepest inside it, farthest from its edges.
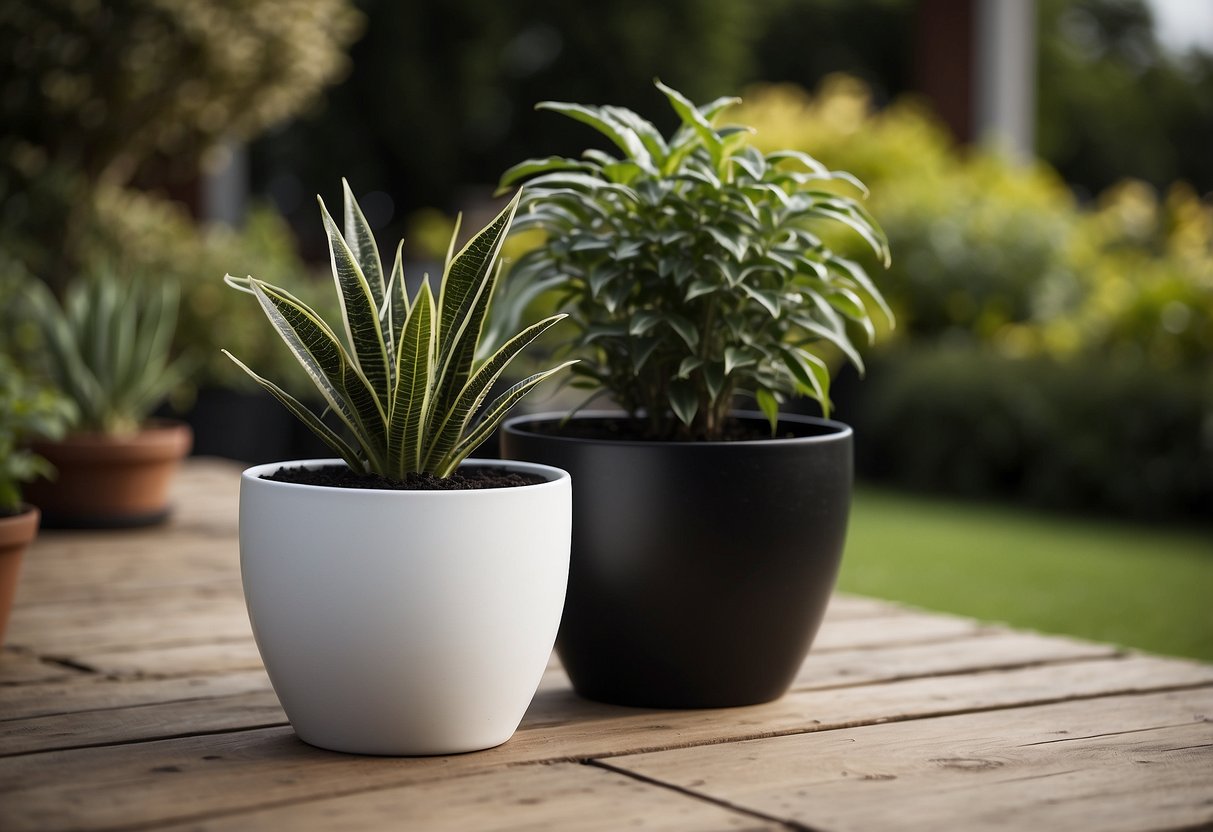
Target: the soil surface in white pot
(340, 476)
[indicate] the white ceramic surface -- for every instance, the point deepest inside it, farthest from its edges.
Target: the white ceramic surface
(404, 622)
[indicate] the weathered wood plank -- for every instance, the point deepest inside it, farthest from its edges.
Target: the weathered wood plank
(59, 727)
(168, 780)
(985, 650)
(1117, 764)
(562, 796)
(899, 627)
(174, 718)
(98, 693)
(231, 655)
(156, 620)
(18, 667)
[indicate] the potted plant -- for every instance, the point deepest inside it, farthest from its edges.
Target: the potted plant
(695, 268)
(108, 350)
(27, 411)
(404, 597)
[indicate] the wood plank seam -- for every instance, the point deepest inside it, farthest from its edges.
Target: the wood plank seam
(118, 679)
(214, 732)
(814, 726)
(979, 630)
(1112, 653)
(687, 792)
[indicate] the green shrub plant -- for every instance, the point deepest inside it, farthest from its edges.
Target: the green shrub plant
(695, 267)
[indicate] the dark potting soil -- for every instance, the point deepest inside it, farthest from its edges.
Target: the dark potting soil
(339, 476)
(634, 430)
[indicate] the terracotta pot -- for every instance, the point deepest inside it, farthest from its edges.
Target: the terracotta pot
(16, 532)
(110, 482)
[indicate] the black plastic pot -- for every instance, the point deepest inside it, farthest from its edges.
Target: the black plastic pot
(700, 570)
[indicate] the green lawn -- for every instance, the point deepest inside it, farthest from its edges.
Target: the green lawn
(1141, 586)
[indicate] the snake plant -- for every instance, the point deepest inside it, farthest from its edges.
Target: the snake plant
(402, 378)
(108, 346)
(696, 267)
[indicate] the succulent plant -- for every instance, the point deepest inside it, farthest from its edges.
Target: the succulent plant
(402, 378)
(694, 267)
(108, 347)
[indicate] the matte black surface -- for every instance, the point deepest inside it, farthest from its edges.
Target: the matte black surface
(700, 570)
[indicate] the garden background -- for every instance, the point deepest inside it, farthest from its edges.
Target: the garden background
(1034, 440)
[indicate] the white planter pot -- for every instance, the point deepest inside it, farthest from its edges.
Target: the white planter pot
(405, 622)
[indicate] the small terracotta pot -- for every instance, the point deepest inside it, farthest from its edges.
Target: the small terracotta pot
(16, 533)
(110, 482)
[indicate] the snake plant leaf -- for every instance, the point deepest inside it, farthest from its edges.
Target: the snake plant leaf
(314, 423)
(325, 361)
(455, 420)
(492, 416)
(415, 370)
(360, 312)
(404, 381)
(464, 299)
(362, 243)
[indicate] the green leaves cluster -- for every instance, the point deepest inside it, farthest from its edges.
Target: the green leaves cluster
(108, 346)
(28, 411)
(401, 377)
(694, 266)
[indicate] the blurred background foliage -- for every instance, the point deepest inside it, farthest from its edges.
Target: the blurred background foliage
(1055, 319)
(1046, 350)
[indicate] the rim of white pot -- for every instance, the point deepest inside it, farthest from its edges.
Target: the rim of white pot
(551, 474)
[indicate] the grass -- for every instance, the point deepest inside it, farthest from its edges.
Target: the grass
(1140, 586)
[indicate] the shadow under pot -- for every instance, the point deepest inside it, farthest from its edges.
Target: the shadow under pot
(700, 571)
(107, 481)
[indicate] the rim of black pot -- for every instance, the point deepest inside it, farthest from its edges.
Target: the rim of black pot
(838, 430)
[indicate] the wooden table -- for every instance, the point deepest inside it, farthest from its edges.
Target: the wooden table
(133, 698)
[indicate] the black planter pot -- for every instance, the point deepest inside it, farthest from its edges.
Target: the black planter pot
(700, 570)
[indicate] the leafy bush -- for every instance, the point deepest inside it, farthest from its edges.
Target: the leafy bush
(975, 236)
(693, 267)
(1075, 434)
(98, 93)
(403, 382)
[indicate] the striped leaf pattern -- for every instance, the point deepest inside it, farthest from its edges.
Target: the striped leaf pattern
(400, 380)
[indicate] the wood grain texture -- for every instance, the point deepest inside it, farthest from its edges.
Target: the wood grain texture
(89, 788)
(1117, 764)
(50, 717)
(98, 693)
(562, 796)
(134, 698)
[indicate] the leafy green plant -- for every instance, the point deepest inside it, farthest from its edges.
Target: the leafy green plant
(108, 347)
(404, 382)
(694, 266)
(28, 411)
